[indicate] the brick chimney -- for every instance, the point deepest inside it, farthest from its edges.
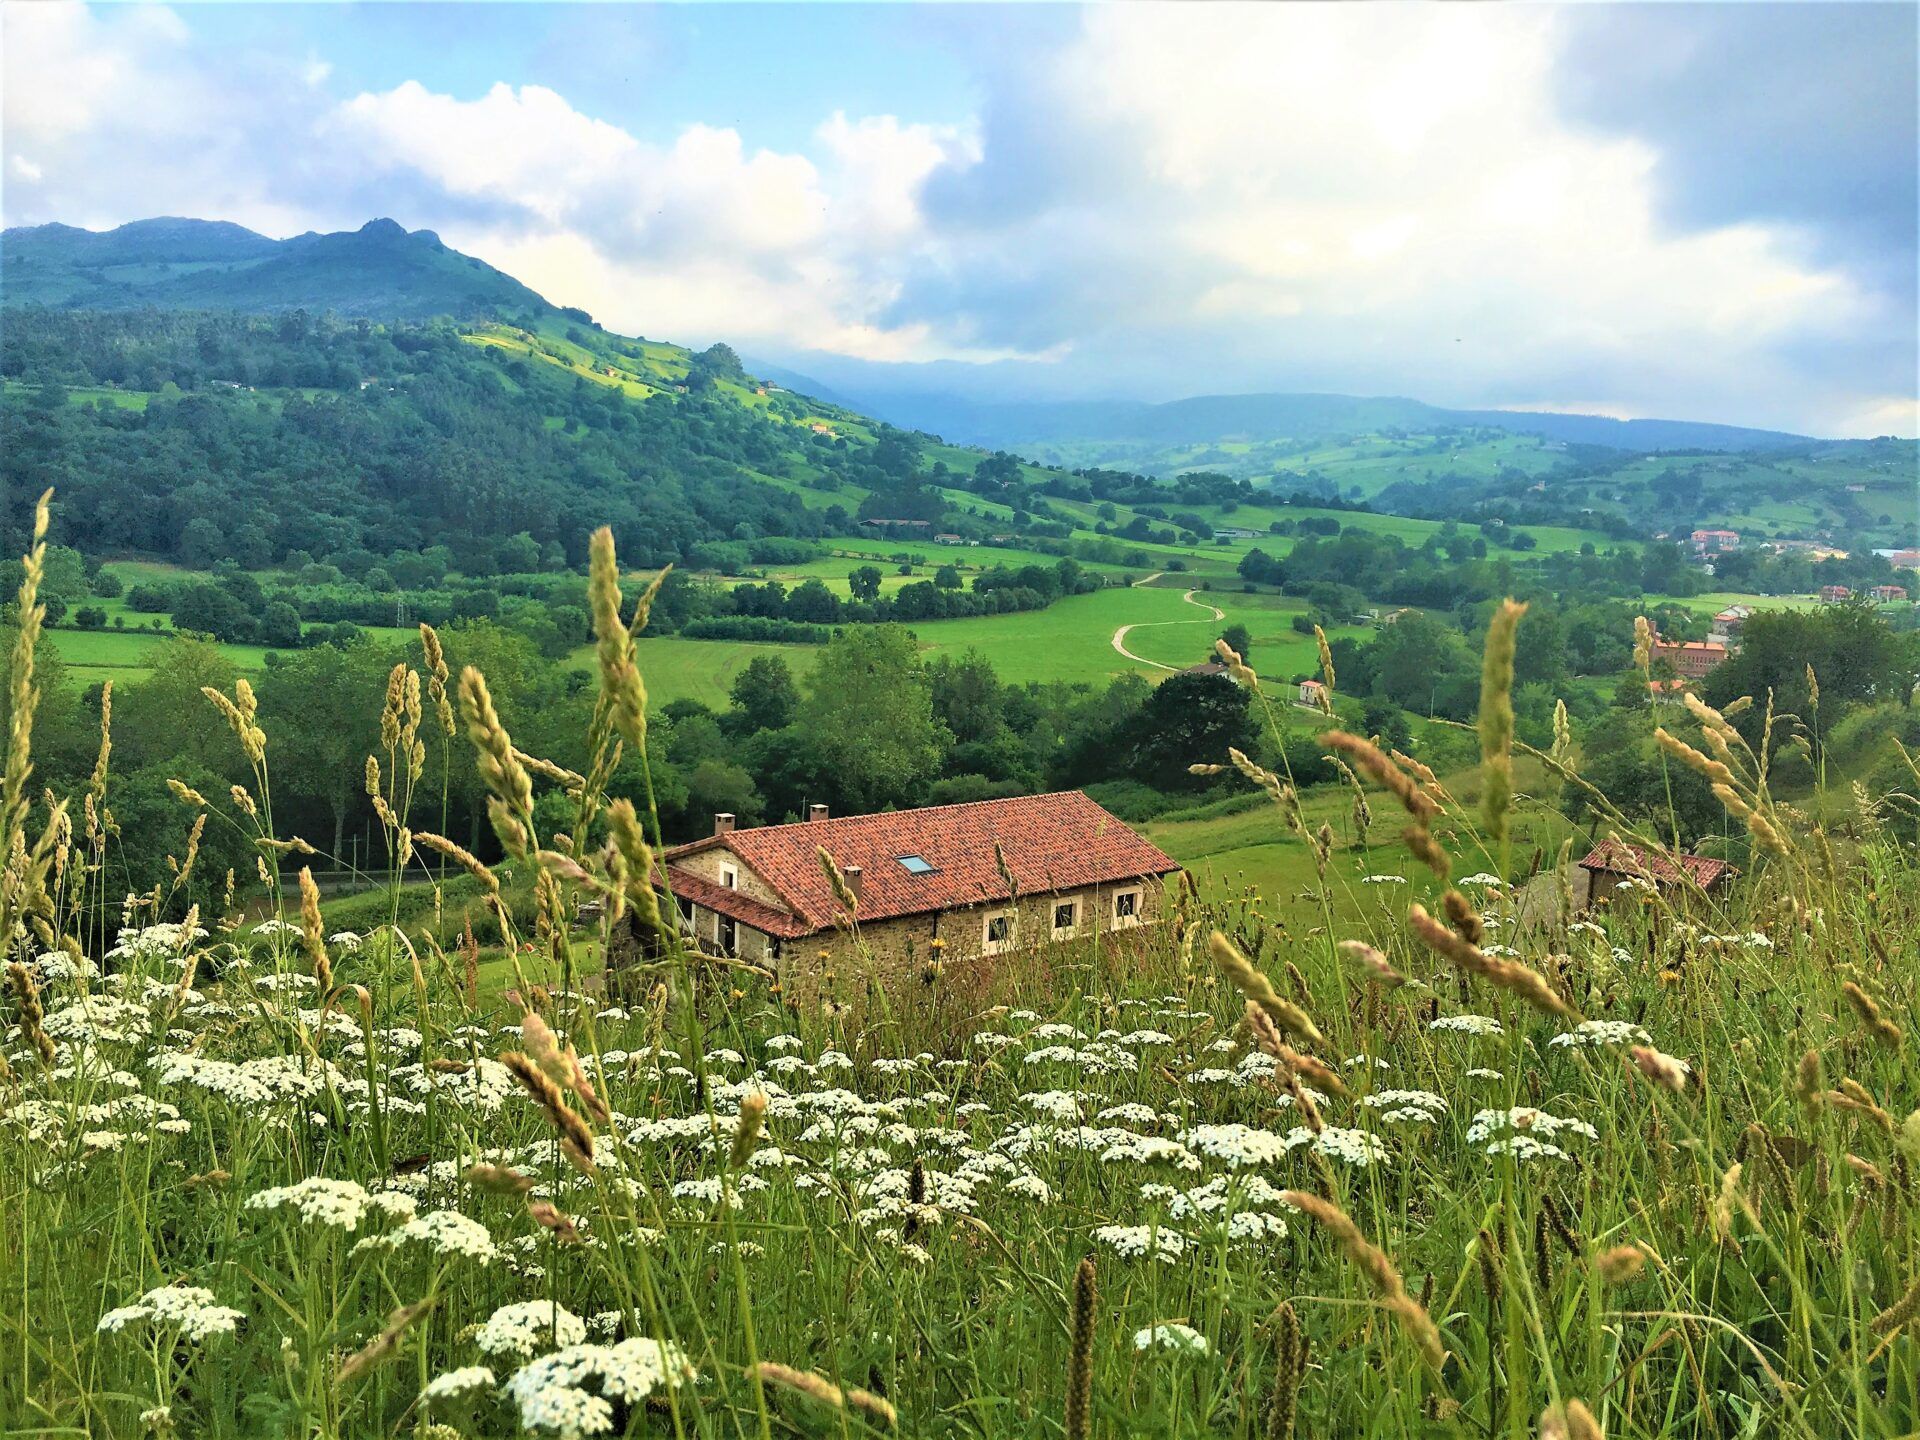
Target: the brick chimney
(723, 823)
(816, 812)
(853, 877)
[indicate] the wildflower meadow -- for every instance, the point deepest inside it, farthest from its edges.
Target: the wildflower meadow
(1478, 1166)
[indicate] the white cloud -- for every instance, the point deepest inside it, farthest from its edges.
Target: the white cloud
(1370, 198)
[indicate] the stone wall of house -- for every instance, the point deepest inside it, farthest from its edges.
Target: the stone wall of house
(896, 953)
(708, 865)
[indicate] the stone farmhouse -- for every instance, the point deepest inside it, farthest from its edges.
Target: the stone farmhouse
(929, 884)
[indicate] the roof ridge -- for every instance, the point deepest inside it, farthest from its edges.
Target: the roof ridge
(911, 810)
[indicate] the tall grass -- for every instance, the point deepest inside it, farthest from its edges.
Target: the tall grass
(269, 1180)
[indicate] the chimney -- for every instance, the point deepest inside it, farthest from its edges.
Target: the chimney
(816, 812)
(853, 877)
(723, 823)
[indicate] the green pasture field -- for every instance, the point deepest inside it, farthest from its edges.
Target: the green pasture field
(703, 670)
(1233, 846)
(1715, 601)
(14, 390)
(124, 656)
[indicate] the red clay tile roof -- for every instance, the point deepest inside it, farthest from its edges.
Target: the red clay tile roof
(1624, 859)
(1052, 842)
(744, 908)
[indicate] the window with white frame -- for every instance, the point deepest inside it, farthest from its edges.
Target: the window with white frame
(1066, 918)
(730, 877)
(998, 933)
(1126, 907)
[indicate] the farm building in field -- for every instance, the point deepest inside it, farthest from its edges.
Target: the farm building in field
(1834, 594)
(945, 883)
(1313, 694)
(1613, 863)
(1690, 659)
(1888, 594)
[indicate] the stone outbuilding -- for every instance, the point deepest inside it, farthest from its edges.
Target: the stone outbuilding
(1614, 861)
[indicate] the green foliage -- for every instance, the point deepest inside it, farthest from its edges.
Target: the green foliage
(867, 718)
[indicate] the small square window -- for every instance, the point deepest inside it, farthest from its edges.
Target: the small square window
(914, 865)
(730, 877)
(1126, 905)
(1066, 917)
(999, 933)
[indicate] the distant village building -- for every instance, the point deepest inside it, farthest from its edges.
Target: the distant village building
(880, 523)
(1811, 549)
(949, 540)
(1235, 532)
(1205, 667)
(1728, 624)
(1714, 542)
(1690, 659)
(1888, 594)
(1312, 694)
(1834, 594)
(1612, 863)
(945, 883)
(1668, 692)
(1901, 559)
(820, 427)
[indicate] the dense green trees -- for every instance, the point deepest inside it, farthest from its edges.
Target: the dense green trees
(452, 447)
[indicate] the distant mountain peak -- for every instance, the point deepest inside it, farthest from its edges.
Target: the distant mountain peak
(381, 271)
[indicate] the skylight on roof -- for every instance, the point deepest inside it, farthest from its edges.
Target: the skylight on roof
(914, 864)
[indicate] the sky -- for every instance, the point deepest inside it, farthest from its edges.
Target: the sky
(1674, 210)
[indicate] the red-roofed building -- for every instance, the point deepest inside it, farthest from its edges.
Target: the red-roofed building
(1612, 863)
(1888, 594)
(1834, 594)
(1714, 542)
(1691, 659)
(948, 882)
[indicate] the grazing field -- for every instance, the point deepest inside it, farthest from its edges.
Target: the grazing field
(702, 670)
(123, 656)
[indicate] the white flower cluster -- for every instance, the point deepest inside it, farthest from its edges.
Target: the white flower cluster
(187, 1309)
(1525, 1133)
(444, 1232)
(339, 1203)
(1467, 1025)
(1132, 1242)
(571, 1393)
(452, 1386)
(1601, 1032)
(1181, 1339)
(527, 1326)
(1402, 1107)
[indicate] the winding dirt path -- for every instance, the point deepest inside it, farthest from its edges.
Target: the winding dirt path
(1214, 615)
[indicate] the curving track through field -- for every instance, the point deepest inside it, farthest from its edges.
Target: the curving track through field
(1214, 616)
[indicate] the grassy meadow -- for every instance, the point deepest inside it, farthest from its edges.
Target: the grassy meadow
(1640, 1171)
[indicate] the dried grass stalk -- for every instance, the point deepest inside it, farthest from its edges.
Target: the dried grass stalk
(1496, 721)
(1506, 975)
(1257, 988)
(1378, 1269)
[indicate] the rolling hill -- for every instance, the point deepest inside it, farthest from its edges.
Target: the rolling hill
(420, 377)
(1119, 431)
